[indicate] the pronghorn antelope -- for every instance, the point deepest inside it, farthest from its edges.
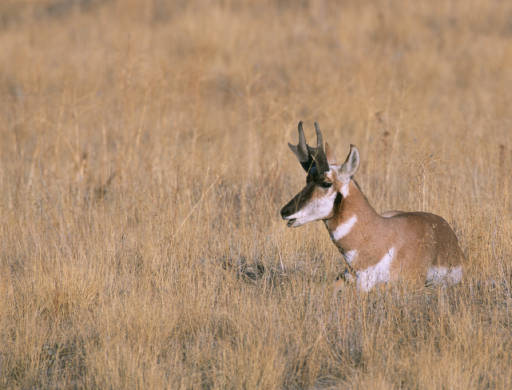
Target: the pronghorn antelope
(377, 248)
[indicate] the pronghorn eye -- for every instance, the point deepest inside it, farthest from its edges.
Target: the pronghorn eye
(325, 184)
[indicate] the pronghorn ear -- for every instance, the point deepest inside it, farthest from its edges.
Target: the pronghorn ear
(331, 158)
(351, 164)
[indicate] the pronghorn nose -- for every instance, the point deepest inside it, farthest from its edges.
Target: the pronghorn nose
(286, 211)
(291, 207)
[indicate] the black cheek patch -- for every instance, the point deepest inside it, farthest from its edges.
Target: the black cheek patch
(338, 199)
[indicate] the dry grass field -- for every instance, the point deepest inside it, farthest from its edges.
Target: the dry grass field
(143, 163)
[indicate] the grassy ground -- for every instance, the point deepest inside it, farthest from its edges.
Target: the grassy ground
(143, 162)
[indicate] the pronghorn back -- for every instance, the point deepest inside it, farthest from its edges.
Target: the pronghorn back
(377, 248)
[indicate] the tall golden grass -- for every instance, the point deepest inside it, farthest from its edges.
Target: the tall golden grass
(144, 161)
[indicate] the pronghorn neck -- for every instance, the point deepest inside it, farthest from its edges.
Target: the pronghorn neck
(354, 212)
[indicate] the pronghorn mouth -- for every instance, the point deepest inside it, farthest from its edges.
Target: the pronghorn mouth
(290, 222)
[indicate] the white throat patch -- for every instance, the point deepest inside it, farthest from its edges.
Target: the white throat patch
(378, 273)
(343, 229)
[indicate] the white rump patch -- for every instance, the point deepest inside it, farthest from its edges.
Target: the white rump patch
(344, 229)
(444, 275)
(350, 256)
(378, 273)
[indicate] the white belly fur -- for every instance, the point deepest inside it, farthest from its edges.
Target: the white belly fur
(378, 273)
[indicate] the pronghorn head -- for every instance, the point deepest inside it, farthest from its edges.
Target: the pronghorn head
(327, 183)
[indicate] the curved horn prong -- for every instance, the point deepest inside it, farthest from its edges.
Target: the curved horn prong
(319, 138)
(300, 150)
(313, 160)
(302, 140)
(320, 156)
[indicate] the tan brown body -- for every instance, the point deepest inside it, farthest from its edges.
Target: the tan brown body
(421, 240)
(397, 245)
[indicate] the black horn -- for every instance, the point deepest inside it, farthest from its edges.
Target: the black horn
(319, 155)
(300, 150)
(313, 160)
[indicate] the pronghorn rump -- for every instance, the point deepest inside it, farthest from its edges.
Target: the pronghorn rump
(407, 246)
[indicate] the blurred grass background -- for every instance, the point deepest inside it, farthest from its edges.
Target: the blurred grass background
(144, 161)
